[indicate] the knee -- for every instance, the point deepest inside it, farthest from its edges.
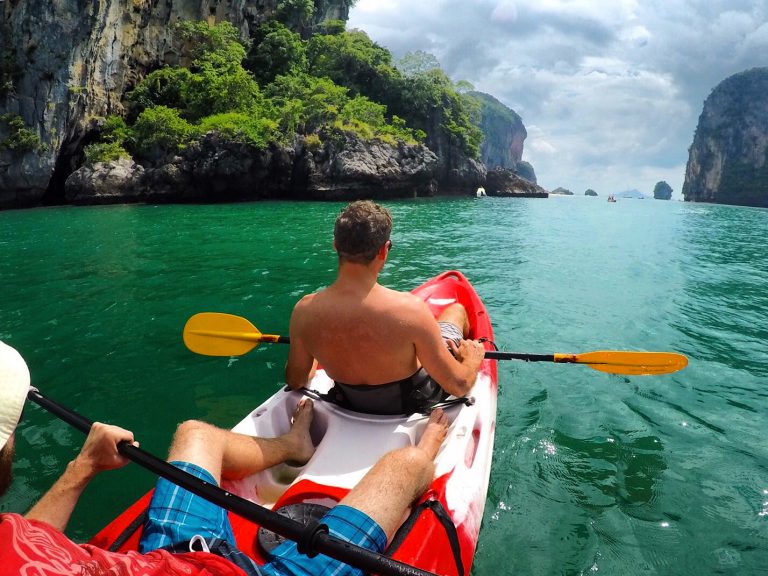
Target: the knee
(456, 314)
(192, 430)
(456, 308)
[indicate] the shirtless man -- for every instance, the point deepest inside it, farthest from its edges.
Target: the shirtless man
(383, 348)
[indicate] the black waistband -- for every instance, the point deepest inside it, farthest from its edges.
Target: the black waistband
(417, 393)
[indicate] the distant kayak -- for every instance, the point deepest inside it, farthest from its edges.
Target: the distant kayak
(442, 531)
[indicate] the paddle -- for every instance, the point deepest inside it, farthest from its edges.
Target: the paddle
(216, 334)
(312, 542)
(611, 361)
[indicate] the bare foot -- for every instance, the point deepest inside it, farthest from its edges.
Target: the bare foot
(435, 433)
(299, 433)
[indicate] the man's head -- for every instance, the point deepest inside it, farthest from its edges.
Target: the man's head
(362, 228)
(14, 385)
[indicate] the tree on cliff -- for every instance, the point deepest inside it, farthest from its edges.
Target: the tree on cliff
(662, 191)
(424, 97)
(172, 107)
(415, 63)
(276, 51)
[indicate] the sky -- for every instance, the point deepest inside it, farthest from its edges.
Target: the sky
(610, 91)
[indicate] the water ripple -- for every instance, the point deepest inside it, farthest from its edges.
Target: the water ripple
(592, 473)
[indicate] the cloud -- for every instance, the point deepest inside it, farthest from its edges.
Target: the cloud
(610, 90)
(505, 12)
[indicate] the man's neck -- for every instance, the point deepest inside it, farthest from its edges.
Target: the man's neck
(357, 277)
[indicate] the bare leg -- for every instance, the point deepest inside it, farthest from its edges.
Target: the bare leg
(225, 453)
(399, 477)
(456, 314)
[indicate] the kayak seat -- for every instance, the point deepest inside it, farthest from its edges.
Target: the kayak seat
(304, 512)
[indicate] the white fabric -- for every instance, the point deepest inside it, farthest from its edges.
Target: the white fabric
(14, 385)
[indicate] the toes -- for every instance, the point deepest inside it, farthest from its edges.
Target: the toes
(303, 406)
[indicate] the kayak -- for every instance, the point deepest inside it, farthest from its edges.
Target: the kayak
(440, 535)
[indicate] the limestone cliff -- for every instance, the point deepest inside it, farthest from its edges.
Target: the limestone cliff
(65, 62)
(662, 191)
(728, 162)
(503, 182)
(503, 131)
(214, 170)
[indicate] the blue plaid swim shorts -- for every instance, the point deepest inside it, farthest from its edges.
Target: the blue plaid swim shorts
(343, 522)
(176, 515)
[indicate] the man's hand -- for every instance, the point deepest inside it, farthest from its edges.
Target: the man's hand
(469, 352)
(99, 452)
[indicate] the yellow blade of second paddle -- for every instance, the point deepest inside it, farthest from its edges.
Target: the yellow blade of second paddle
(631, 363)
(217, 334)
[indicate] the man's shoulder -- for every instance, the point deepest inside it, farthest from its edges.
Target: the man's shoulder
(403, 302)
(305, 301)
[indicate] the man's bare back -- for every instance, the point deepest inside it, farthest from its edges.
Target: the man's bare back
(362, 333)
(347, 331)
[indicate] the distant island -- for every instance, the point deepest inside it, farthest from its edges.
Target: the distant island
(662, 191)
(633, 193)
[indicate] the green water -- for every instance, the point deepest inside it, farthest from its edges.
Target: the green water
(592, 473)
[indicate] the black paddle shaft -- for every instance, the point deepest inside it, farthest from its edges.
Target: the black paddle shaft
(315, 541)
(499, 355)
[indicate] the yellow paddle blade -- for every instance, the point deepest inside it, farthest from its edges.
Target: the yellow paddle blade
(217, 334)
(631, 363)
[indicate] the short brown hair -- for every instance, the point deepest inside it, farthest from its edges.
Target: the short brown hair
(361, 230)
(6, 465)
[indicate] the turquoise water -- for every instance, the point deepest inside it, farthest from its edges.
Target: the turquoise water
(592, 473)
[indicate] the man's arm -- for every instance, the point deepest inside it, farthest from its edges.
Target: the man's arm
(301, 365)
(99, 453)
(456, 374)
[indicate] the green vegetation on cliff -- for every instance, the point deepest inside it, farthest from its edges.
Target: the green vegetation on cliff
(15, 136)
(278, 86)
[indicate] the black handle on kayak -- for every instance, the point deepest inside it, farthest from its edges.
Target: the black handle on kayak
(318, 541)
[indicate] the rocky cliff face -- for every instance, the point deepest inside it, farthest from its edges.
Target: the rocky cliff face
(728, 162)
(65, 62)
(504, 134)
(502, 182)
(215, 170)
(662, 191)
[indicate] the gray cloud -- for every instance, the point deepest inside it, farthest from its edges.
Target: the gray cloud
(610, 91)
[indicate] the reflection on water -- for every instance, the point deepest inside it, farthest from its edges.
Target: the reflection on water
(727, 269)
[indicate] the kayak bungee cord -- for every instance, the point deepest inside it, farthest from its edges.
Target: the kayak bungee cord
(311, 539)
